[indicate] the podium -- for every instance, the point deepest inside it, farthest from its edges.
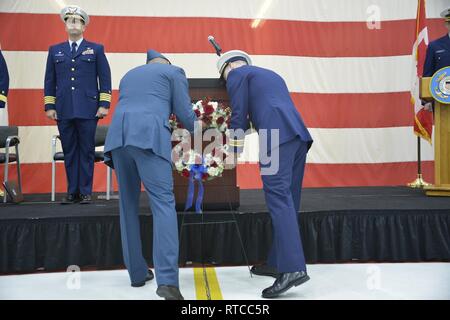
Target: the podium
(441, 185)
(221, 193)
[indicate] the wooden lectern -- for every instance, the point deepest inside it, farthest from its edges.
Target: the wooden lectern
(220, 193)
(441, 185)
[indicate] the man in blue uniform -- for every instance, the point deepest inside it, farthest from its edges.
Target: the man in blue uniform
(438, 51)
(438, 54)
(4, 81)
(138, 145)
(77, 93)
(4, 86)
(260, 96)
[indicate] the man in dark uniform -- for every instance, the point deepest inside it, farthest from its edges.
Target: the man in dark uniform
(260, 96)
(4, 81)
(77, 93)
(4, 86)
(438, 53)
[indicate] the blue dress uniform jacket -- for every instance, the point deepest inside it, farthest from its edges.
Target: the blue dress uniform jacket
(262, 97)
(4, 81)
(77, 86)
(138, 143)
(438, 56)
(148, 95)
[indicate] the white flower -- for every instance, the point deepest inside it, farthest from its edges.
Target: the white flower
(212, 171)
(179, 165)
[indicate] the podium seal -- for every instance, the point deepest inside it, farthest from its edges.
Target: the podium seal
(440, 85)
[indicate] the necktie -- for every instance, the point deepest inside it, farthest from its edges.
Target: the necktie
(74, 48)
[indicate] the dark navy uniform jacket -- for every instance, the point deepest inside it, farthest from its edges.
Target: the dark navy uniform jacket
(260, 96)
(4, 81)
(77, 86)
(438, 56)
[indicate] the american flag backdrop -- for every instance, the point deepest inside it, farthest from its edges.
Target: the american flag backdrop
(349, 74)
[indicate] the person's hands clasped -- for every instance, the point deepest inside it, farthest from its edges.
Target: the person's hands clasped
(102, 112)
(51, 114)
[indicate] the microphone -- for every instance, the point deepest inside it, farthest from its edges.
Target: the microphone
(215, 45)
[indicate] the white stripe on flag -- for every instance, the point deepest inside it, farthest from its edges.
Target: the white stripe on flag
(330, 145)
(302, 74)
(307, 10)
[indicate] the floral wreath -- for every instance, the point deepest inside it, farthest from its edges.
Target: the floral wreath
(191, 164)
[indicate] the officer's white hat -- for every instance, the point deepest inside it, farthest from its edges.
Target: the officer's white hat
(446, 14)
(74, 11)
(230, 56)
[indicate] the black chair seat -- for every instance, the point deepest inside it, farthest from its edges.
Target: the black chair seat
(59, 156)
(12, 157)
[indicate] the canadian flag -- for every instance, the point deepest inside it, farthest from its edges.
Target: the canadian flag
(423, 119)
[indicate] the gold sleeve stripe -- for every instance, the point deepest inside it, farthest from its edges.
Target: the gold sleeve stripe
(3, 98)
(105, 97)
(49, 100)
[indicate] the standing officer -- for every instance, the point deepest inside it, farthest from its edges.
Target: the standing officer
(77, 93)
(262, 97)
(4, 81)
(4, 86)
(139, 143)
(438, 51)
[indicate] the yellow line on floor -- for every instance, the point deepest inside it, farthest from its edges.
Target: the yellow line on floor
(206, 284)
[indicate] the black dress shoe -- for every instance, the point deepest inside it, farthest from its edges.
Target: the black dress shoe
(70, 198)
(284, 282)
(148, 277)
(85, 199)
(169, 293)
(264, 270)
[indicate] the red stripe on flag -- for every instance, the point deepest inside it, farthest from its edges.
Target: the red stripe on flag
(318, 110)
(26, 108)
(354, 110)
(346, 175)
(23, 32)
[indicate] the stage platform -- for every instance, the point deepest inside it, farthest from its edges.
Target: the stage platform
(373, 224)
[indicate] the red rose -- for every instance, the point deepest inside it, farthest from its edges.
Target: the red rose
(185, 173)
(220, 120)
(205, 176)
(208, 109)
(197, 113)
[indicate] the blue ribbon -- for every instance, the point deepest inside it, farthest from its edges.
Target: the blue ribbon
(195, 173)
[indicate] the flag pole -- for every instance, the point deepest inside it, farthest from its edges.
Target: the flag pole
(420, 18)
(419, 182)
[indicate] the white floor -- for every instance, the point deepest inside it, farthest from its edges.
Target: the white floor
(328, 281)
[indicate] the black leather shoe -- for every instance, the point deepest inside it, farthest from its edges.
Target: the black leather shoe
(169, 293)
(70, 198)
(284, 282)
(148, 277)
(264, 270)
(85, 199)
